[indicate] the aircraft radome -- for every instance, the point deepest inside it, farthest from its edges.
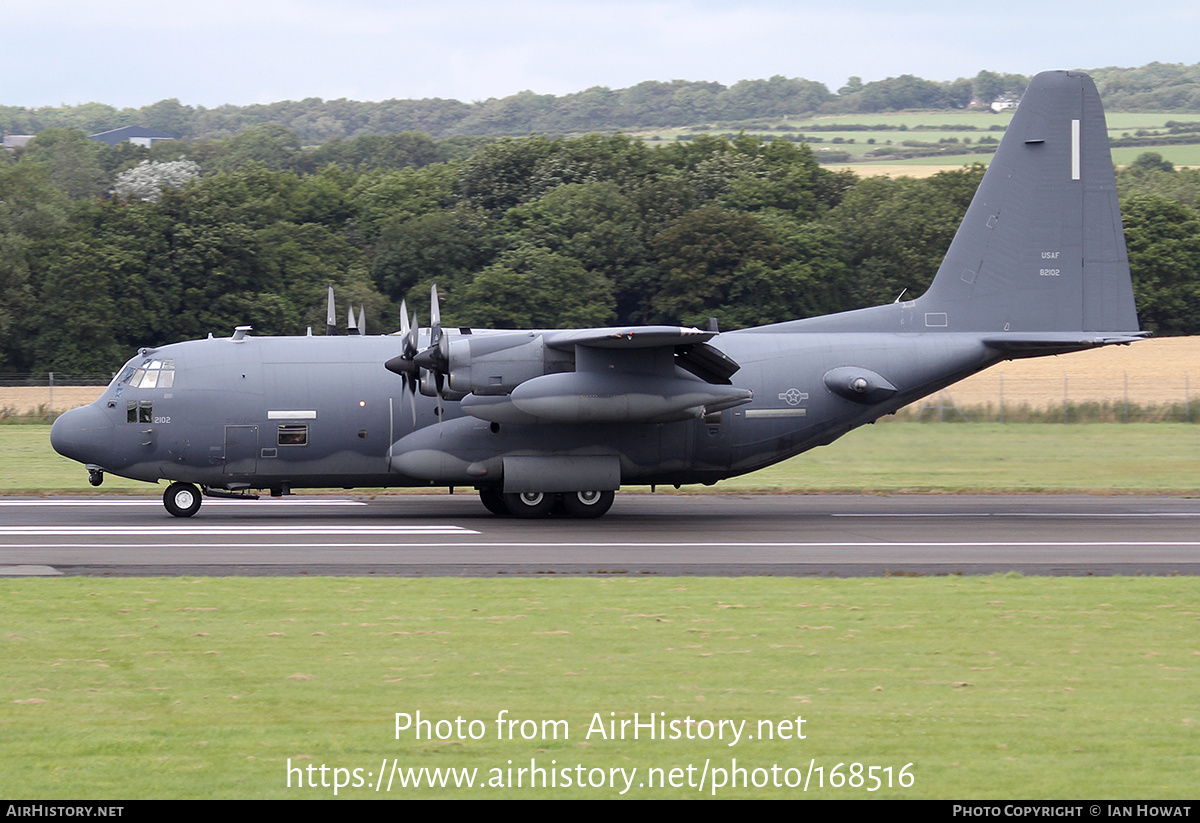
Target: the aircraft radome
(560, 419)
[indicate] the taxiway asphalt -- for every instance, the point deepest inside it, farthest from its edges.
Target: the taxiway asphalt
(666, 534)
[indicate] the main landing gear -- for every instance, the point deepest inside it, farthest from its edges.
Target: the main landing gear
(586, 505)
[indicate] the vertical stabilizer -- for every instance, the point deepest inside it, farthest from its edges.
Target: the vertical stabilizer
(1041, 247)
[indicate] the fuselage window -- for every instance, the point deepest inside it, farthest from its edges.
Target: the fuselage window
(293, 434)
(139, 411)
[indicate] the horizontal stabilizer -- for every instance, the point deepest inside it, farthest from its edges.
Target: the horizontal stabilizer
(1018, 344)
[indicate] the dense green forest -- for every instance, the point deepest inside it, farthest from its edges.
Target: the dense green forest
(1163, 87)
(105, 249)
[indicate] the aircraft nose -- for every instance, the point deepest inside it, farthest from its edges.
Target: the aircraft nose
(83, 434)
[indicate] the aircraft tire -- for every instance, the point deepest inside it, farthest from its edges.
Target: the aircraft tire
(182, 499)
(587, 505)
(493, 500)
(529, 504)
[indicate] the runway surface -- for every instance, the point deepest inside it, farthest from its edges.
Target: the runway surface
(703, 534)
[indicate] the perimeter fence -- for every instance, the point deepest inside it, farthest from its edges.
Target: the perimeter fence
(993, 396)
(49, 379)
(1124, 397)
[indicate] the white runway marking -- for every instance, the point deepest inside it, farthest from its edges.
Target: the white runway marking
(199, 530)
(155, 502)
(483, 544)
(945, 515)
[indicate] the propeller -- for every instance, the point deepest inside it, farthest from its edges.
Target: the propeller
(330, 322)
(436, 358)
(404, 364)
(432, 363)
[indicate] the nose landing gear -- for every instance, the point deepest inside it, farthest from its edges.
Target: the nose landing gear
(182, 499)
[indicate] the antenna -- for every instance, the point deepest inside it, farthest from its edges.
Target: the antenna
(330, 322)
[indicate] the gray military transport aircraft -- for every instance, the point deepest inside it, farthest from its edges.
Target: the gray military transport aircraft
(560, 419)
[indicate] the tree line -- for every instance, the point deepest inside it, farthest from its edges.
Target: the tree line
(530, 232)
(650, 104)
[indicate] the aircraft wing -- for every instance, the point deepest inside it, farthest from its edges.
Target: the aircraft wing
(690, 346)
(628, 337)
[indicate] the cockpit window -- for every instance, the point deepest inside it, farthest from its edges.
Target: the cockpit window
(139, 411)
(152, 374)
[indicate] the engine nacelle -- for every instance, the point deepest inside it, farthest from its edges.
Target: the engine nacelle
(495, 364)
(591, 397)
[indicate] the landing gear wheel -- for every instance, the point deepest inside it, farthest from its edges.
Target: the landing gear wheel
(182, 499)
(529, 504)
(587, 504)
(493, 500)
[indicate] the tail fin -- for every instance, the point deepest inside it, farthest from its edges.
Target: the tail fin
(1041, 248)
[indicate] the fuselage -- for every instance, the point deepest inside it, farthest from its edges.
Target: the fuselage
(304, 412)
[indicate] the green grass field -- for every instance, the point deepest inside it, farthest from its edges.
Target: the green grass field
(890, 457)
(995, 687)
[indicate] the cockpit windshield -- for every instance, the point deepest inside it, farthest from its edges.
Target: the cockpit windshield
(151, 374)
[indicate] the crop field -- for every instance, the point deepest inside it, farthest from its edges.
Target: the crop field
(1156, 371)
(25, 401)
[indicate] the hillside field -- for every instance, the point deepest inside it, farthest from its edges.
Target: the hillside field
(965, 127)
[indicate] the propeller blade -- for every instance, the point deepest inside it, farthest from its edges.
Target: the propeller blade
(330, 321)
(436, 357)
(362, 320)
(404, 364)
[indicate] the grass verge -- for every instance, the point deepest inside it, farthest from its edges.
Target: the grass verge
(991, 687)
(892, 457)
